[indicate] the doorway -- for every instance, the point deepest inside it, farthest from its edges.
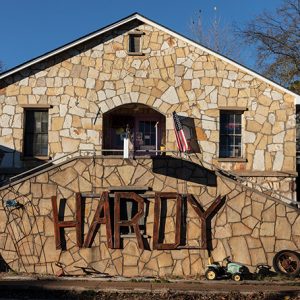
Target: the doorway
(146, 126)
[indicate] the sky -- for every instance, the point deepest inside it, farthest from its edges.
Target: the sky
(30, 28)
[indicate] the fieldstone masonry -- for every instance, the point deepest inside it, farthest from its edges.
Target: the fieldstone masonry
(171, 75)
(84, 82)
(248, 227)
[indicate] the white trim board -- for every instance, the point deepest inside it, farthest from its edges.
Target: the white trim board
(145, 20)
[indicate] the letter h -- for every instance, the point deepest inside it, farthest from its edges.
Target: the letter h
(59, 225)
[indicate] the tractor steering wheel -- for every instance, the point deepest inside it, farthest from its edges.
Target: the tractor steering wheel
(225, 261)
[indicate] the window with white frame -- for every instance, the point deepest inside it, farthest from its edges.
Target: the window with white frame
(230, 134)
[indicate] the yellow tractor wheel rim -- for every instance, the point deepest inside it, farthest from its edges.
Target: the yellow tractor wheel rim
(211, 275)
(237, 277)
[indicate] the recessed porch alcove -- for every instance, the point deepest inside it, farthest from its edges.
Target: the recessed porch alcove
(147, 128)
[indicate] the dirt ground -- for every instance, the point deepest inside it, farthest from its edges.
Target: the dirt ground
(148, 296)
(24, 287)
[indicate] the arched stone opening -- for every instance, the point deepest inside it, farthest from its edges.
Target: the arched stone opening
(147, 127)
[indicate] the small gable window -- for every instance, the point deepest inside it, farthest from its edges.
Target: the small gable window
(134, 46)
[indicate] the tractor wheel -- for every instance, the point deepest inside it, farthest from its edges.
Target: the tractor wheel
(211, 274)
(287, 262)
(237, 277)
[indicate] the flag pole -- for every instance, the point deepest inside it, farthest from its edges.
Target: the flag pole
(183, 145)
(156, 137)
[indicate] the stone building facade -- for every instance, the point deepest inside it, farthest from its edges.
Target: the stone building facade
(71, 108)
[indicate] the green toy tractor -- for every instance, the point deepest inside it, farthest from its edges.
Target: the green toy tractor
(228, 269)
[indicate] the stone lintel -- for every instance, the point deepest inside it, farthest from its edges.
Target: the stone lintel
(136, 32)
(33, 106)
(233, 108)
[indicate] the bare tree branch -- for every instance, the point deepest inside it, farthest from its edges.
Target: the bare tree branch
(277, 38)
(215, 35)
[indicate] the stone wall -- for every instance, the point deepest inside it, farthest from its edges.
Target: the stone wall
(248, 227)
(171, 75)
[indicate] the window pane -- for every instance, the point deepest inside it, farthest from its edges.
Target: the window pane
(152, 139)
(223, 129)
(225, 151)
(230, 127)
(38, 126)
(44, 149)
(44, 120)
(141, 126)
(28, 145)
(44, 127)
(136, 43)
(45, 117)
(147, 127)
(238, 140)
(238, 118)
(131, 43)
(238, 129)
(231, 151)
(224, 117)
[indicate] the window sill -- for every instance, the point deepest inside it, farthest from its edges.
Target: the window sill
(135, 53)
(232, 159)
(36, 157)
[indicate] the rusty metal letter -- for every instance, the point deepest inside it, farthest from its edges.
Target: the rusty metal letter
(59, 225)
(134, 222)
(204, 216)
(103, 205)
(157, 220)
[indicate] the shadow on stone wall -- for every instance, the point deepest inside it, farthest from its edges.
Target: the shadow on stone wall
(9, 158)
(12, 174)
(185, 170)
(12, 164)
(4, 267)
(209, 230)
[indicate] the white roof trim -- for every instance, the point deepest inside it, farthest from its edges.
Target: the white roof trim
(160, 27)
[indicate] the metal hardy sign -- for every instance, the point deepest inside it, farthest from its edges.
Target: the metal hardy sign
(110, 217)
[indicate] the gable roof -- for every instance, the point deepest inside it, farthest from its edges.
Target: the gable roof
(137, 16)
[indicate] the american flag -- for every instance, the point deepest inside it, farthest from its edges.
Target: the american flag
(182, 143)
